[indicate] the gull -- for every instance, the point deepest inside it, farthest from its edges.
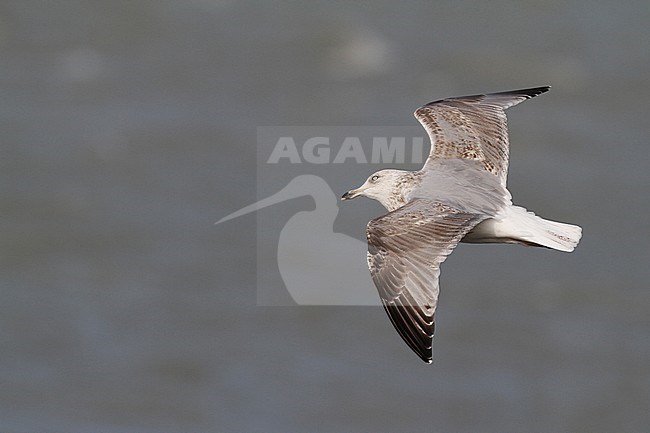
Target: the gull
(459, 195)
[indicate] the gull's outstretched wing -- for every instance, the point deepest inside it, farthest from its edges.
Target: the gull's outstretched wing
(405, 250)
(473, 127)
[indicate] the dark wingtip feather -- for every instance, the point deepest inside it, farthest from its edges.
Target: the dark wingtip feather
(421, 345)
(425, 353)
(529, 93)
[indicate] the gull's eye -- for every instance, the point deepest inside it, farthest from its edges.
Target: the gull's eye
(374, 178)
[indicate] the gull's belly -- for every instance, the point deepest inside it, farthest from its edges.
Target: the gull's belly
(501, 231)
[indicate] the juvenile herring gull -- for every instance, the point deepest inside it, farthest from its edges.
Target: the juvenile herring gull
(459, 195)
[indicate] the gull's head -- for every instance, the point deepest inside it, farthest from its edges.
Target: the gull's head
(381, 186)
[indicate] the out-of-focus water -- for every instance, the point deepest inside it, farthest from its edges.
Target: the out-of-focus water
(128, 128)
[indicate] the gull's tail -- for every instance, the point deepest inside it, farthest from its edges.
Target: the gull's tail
(523, 227)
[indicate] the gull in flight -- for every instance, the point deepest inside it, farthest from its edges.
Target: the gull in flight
(459, 195)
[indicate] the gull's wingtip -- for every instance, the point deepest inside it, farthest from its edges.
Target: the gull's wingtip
(503, 99)
(425, 354)
(536, 91)
(513, 97)
(528, 93)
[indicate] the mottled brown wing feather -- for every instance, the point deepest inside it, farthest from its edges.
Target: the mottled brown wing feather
(405, 250)
(473, 127)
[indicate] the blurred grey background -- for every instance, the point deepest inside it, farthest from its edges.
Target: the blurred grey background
(128, 127)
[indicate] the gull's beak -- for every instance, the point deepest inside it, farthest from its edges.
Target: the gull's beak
(351, 194)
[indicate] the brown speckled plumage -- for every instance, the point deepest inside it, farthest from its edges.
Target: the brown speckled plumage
(473, 127)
